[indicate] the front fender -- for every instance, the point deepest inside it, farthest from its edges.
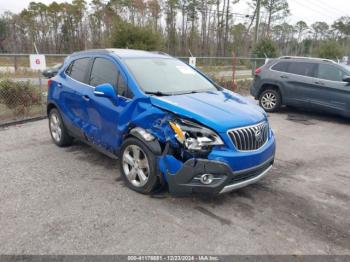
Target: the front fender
(148, 139)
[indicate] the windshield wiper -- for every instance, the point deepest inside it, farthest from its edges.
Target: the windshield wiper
(195, 92)
(158, 93)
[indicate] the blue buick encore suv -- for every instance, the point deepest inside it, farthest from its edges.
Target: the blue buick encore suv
(168, 123)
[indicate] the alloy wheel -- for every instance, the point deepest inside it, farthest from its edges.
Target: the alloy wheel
(269, 100)
(55, 127)
(135, 165)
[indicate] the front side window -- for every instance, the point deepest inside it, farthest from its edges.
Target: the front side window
(78, 68)
(330, 72)
(302, 68)
(104, 71)
(167, 76)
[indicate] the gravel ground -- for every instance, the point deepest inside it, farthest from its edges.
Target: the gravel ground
(73, 201)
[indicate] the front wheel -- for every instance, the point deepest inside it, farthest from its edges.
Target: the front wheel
(270, 100)
(138, 166)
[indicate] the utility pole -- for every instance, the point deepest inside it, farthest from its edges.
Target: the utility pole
(258, 3)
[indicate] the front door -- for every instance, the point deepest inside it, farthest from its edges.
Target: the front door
(104, 114)
(332, 93)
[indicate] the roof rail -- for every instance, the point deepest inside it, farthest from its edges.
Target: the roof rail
(305, 57)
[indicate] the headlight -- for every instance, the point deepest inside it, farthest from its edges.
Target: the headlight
(194, 136)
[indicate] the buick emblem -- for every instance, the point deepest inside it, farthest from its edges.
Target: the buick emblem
(258, 136)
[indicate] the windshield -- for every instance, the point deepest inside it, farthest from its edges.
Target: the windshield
(165, 76)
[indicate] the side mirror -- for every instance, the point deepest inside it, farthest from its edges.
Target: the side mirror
(346, 79)
(105, 90)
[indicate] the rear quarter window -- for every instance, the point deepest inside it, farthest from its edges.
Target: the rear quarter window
(280, 66)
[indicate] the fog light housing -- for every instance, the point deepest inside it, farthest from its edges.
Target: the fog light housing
(206, 179)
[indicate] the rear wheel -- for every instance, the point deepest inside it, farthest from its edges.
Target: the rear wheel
(270, 100)
(58, 131)
(138, 166)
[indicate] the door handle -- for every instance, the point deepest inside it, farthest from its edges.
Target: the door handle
(86, 98)
(59, 85)
(284, 76)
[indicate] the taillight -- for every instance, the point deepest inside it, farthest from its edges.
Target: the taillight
(49, 82)
(258, 70)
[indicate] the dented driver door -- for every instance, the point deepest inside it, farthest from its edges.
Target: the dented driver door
(104, 113)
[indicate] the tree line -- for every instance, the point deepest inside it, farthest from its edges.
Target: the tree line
(178, 27)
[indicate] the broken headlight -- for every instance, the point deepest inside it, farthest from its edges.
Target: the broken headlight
(194, 136)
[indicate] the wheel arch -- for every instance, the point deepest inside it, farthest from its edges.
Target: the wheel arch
(147, 138)
(152, 145)
(50, 106)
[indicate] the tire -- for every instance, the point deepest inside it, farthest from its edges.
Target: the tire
(58, 131)
(138, 166)
(270, 100)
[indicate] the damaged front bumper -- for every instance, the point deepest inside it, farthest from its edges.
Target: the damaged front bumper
(230, 169)
(186, 180)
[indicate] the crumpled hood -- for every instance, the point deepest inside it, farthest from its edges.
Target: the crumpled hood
(219, 110)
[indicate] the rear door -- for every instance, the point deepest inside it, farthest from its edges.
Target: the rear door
(71, 102)
(297, 80)
(104, 114)
(332, 94)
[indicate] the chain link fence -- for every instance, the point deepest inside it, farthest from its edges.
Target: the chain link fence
(23, 92)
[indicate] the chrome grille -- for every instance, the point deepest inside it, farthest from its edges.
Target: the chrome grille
(251, 137)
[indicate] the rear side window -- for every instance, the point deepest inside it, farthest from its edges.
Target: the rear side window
(281, 67)
(302, 68)
(330, 72)
(78, 68)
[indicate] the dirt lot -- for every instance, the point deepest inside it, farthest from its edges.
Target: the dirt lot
(72, 201)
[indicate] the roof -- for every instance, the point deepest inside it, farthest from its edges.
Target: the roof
(124, 53)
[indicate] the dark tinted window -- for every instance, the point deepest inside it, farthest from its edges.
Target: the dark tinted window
(302, 68)
(281, 66)
(123, 88)
(330, 72)
(104, 71)
(77, 69)
(69, 69)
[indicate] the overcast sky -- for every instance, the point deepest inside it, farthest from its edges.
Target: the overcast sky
(307, 10)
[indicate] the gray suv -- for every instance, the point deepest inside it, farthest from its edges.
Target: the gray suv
(311, 83)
